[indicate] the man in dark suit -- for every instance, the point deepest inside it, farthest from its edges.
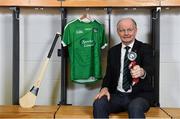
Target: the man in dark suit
(116, 94)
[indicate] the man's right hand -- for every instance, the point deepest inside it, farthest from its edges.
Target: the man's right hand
(104, 91)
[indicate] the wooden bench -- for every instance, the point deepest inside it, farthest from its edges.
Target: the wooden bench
(37, 112)
(173, 112)
(78, 112)
(85, 112)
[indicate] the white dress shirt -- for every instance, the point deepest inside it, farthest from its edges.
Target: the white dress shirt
(120, 82)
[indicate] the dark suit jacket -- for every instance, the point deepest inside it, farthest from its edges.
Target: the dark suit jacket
(144, 59)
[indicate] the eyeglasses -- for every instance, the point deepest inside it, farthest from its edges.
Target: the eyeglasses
(126, 30)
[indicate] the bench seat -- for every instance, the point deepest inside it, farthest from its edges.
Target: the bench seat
(174, 113)
(37, 112)
(85, 112)
(76, 112)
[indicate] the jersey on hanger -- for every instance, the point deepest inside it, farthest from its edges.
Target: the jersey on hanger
(85, 41)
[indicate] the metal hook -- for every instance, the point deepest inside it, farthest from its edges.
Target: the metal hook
(158, 9)
(109, 10)
(16, 10)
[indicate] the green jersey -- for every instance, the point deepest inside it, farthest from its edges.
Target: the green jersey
(85, 41)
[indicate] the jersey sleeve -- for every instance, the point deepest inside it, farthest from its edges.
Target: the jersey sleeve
(66, 40)
(104, 39)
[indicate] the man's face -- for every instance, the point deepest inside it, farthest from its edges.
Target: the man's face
(127, 31)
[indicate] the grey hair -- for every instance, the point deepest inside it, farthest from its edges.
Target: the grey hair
(134, 22)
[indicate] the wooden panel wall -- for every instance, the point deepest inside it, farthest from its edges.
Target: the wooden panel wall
(37, 112)
(110, 3)
(170, 3)
(45, 3)
(81, 3)
(90, 3)
(14, 2)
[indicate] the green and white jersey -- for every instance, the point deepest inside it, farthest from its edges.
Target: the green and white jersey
(85, 41)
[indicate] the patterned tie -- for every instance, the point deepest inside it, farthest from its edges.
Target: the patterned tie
(126, 71)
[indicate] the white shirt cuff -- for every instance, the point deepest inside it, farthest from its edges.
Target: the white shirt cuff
(144, 76)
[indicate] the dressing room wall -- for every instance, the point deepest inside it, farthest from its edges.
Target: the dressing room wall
(6, 56)
(169, 58)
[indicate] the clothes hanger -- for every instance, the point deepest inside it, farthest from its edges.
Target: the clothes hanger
(86, 17)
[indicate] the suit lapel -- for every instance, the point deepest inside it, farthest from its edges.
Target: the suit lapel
(136, 46)
(119, 59)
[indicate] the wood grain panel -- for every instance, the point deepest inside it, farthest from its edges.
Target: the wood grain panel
(78, 112)
(37, 112)
(85, 112)
(173, 112)
(110, 3)
(170, 3)
(45, 3)
(81, 3)
(14, 2)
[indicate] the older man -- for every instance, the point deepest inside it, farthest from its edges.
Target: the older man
(119, 93)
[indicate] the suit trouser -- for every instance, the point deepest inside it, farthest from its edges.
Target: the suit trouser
(120, 102)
